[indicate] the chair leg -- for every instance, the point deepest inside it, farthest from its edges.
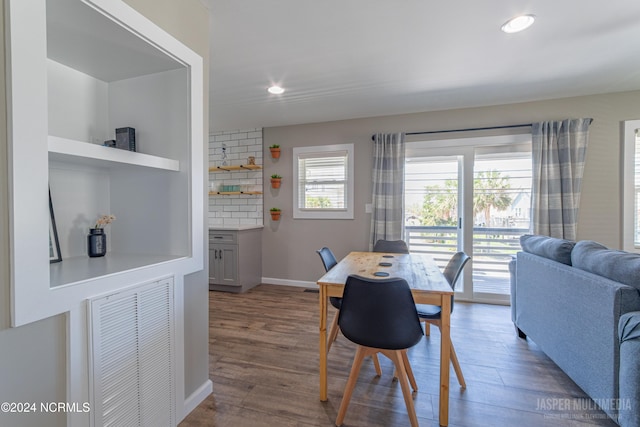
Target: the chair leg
(427, 328)
(333, 331)
(376, 364)
(456, 367)
(361, 352)
(407, 367)
(398, 360)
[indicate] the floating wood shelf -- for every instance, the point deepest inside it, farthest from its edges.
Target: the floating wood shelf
(234, 168)
(232, 193)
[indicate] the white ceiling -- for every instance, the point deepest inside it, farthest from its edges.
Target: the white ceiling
(343, 59)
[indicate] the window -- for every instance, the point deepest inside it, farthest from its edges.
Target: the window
(631, 186)
(323, 182)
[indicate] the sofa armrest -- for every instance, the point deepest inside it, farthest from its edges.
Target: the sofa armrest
(629, 335)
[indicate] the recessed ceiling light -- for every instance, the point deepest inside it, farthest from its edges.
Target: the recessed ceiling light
(275, 90)
(518, 23)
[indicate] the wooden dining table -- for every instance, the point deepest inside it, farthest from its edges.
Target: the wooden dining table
(427, 284)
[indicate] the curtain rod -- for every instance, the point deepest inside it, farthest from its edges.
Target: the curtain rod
(373, 137)
(470, 129)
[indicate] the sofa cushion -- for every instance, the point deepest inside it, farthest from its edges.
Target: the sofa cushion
(548, 247)
(620, 266)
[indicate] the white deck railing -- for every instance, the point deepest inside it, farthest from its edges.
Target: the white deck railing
(492, 251)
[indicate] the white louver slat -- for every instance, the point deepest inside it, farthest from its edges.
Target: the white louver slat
(156, 349)
(132, 346)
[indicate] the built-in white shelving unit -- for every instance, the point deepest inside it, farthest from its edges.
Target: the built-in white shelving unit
(79, 69)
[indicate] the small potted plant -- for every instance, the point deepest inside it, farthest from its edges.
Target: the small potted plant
(275, 180)
(275, 151)
(275, 214)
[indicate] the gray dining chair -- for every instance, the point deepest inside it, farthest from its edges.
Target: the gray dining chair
(431, 314)
(380, 317)
(391, 246)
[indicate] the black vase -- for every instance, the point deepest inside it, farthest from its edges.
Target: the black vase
(96, 242)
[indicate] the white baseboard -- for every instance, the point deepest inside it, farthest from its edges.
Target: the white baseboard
(197, 397)
(287, 282)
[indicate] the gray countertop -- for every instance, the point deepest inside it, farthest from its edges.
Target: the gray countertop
(235, 227)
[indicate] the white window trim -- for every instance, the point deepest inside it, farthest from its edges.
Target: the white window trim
(327, 150)
(628, 185)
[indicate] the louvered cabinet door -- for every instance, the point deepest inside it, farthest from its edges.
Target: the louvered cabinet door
(132, 357)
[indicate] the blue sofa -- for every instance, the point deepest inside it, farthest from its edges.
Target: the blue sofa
(580, 303)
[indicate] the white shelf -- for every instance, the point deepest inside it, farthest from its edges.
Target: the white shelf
(75, 270)
(96, 155)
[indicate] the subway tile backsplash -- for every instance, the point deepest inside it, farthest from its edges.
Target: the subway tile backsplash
(234, 148)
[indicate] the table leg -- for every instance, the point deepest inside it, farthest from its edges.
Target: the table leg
(323, 343)
(445, 359)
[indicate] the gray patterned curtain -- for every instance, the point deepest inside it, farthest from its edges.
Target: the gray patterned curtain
(387, 219)
(558, 152)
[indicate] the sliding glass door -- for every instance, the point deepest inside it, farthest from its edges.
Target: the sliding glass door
(472, 196)
(501, 209)
(432, 206)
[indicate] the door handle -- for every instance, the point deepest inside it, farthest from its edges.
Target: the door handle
(215, 254)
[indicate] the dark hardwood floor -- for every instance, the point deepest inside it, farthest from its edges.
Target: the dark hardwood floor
(264, 367)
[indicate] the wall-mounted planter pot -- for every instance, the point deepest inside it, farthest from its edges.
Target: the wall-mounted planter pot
(275, 215)
(275, 182)
(275, 153)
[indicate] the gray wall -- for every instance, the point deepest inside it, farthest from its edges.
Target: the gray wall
(289, 245)
(33, 357)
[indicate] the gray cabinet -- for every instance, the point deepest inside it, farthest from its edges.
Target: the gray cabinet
(235, 259)
(223, 258)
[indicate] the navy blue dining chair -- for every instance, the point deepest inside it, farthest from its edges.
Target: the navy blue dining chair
(391, 246)
(380, 317)
(329, 261)
(431, 314)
